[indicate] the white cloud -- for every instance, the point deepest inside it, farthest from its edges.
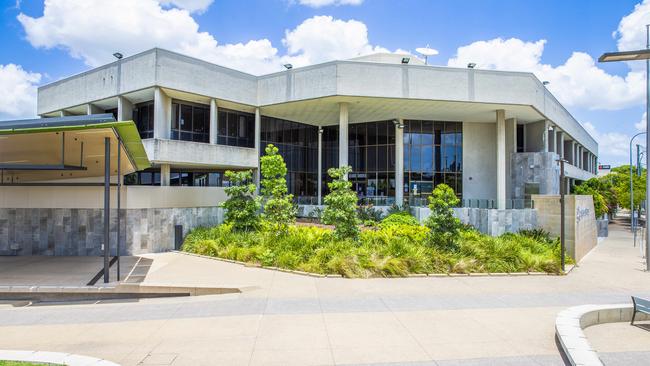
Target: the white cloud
(192, 6)
(321, 3)
(631, 32)
(323, 38)
(640, 126)
(613, 147)
(18, 90)
(579, 82)
(92, 30)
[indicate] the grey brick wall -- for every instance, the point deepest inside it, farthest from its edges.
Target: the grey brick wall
(538, 167)
(489, 221)
(60, 231)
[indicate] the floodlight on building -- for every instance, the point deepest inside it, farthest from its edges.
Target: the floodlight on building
(288, 66)
(118, 55)
(471, 65)
(545, 82)
(405, 60)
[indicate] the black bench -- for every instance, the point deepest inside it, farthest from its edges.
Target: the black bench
(640, 306)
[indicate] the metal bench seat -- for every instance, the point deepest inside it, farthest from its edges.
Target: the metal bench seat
(640, 306)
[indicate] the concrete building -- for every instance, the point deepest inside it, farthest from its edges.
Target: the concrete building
(493, 136)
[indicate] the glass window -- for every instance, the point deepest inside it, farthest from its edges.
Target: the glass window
(185, 122)
(222, 122)
(231, 125)
(174, 116)
(433, 147)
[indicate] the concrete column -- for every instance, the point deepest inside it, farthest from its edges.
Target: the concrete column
(545, 143)
(162, 108)
(319, 185)
(579, 156)
(93, 109)
(560, 144)
(124, 109)
(165, 174)
(552, 146)
(511, 148)
(501, 158)
(258, 141)
(214, 124)
(63, 113)
(399, 162)
(573, 153)
(343, 134)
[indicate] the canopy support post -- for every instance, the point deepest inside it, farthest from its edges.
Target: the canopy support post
(107, 204)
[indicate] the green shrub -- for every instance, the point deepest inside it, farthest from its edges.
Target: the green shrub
(444, 226)
(399, 218)
(368, 212)
(241, 206)
(341, 209)
(279, 210)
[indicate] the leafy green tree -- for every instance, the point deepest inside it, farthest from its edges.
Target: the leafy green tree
(594, 188)
(341, 205)
(444, 226)
(620, 178)
(241, 206)
(279, 210)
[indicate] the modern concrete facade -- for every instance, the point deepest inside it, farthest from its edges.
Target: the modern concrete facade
(502, 113)
(494, 136)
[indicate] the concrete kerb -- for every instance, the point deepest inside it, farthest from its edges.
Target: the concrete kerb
(53, 358)
(570, 323)
(410, 275)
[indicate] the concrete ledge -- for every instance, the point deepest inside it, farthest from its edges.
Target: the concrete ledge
(570, 323)
(53, 358)
(121, 291)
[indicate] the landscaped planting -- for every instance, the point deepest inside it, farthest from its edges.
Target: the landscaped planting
(388, 250)
(396, 246)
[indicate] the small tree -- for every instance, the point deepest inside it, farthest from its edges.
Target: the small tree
(279, 210)
(341, 209)
(593, 187)
(444, 226)
(242, 206)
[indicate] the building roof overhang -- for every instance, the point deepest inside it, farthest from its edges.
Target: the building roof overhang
(49, 149)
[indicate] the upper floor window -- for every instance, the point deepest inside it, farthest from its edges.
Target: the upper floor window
(236, 128)
(143, 117)
(190, 122)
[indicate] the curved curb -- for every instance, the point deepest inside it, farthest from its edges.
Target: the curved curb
(570, 323)
(53, 358)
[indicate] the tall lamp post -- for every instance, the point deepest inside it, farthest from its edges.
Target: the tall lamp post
(562, 212)
(636, 56)
(632, 218)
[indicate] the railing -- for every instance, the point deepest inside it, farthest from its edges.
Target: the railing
(424, 202)
(375, 201)
(476, 203)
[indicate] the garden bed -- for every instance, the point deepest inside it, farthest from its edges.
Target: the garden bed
(386, 251)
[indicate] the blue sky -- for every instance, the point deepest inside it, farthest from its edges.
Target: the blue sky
(558, 40)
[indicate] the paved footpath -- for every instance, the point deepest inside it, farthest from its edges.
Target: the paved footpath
(288, 319)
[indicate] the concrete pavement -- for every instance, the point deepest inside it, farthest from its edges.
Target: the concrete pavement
(288, 319)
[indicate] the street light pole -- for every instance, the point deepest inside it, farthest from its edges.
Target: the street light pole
(632, 218)
(562, 213)
(636, 55)
(647, 143)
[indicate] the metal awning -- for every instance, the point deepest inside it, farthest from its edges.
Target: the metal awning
(48, 149)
